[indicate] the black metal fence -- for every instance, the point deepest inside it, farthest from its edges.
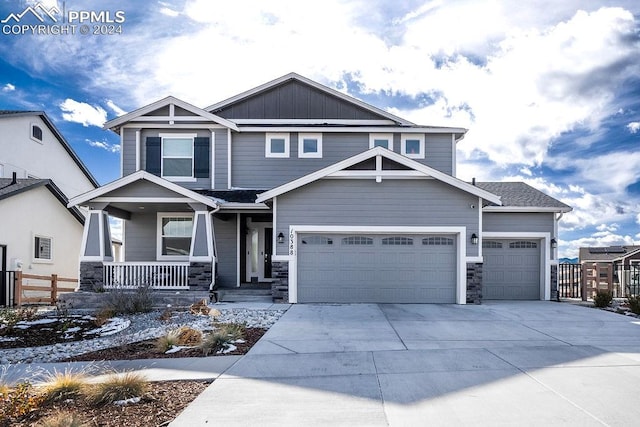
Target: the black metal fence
(569, 280)
(629, 278)
(7, 288)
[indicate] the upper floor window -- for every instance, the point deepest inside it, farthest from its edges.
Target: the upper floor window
(36, 133)
(177, 156)
(384, 140)
(42, 248)
(277, 145)
(310, 145)
(412, 145)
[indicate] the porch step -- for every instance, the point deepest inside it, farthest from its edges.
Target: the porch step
(244, 295)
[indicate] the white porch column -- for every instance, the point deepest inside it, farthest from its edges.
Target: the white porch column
(96, 239)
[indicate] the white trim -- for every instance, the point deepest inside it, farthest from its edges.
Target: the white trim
(166, 126)
(379, 151)
(159, 217)
(515, 209)
(169, 100)
(212, 169)
(375, 173)
(460, 232)
(454, 156)
(138, 148)
(139, 176)
(274, 224)
(243, 206)
(479, 207)
(301, 122)
(191, 136)
(381, 136)
(545, 261)
(85, 235)
(121, 152)
(320, 87)
(355, 129)
(238, 253)
(207, 224)
(317, 137)
(267, 145)
(138, 199)
(229, 159)
(403, 145)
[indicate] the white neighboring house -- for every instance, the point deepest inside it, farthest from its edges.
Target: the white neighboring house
(38, 234)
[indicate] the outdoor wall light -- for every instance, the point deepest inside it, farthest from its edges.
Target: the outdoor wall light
(554, 243)
(474, 239)
(280, 237)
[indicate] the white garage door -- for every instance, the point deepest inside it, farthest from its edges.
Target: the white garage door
(511, 270)
(372, 268)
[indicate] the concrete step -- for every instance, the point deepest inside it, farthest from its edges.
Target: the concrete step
(244, 295)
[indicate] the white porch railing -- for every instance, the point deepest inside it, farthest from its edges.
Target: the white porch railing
(158, 275)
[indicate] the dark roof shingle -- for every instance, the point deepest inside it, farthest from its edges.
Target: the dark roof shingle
(519, 194)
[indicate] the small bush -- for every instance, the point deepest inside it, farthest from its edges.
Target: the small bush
(62, 419)
(602, 299)
(18, 401)
(11, 316)
(119, 387)
(130, 301)
(634, 304)
(64, 385)
(221, 337)
(184, 335)
(103, 315)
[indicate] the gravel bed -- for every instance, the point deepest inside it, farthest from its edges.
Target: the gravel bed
(142, 327)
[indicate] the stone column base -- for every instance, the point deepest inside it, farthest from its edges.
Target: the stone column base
(280, 286)
(474, 283)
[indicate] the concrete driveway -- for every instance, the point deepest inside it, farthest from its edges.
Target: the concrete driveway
(507, 363)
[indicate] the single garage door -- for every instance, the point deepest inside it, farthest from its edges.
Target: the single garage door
(511, 270)
(370, 268)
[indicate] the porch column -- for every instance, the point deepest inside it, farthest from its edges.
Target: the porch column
(95, 249)
(201, 256)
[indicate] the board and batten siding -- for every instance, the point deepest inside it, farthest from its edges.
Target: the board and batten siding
(389, 203)
(128, 148)
(227, 253)
(140, 237)
(514, 222)
(221, 167)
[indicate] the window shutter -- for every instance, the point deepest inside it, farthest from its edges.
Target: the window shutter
(153, 154)
(201, 157)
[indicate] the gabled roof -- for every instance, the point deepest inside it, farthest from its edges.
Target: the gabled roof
(57, 134)
(414, 166)
(9, 189)
(518, 196)
(138, 176)
(294, 76)
(117, 122)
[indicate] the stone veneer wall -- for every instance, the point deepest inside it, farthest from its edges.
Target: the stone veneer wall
(474, 283)
(280, 286)
(554, 283)
(91, 276)
(200, 276)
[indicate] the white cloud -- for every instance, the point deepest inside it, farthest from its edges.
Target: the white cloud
(119, 111)
(633, 127)
(169, 12)
(8, 88)
(112, 148)
(607, 227)
(571, 248)
(83, 113)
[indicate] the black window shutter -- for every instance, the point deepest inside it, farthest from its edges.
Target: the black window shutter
(201, 157)
(153, 154)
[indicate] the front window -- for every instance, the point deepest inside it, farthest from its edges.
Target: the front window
(310, 145)
(384, 140)
(412, 145)
(174, 236)
(277, 145)
(42, 248)
(177, 156)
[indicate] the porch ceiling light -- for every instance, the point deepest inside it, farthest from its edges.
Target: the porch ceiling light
(280, 237)
(474, 239)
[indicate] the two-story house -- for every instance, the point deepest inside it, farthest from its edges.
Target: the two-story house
(329, 198)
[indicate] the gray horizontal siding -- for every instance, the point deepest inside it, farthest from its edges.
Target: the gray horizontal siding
(226, 245)
(140, 237)
(128, 152)
(389, 203)
(295, 100)
(518, 222)
(220, 169)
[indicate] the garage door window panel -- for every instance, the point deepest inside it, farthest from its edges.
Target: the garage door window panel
(357, 240)
(397, 241)
(523, 245)
(437, 241)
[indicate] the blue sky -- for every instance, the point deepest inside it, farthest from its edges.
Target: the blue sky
(550, 91)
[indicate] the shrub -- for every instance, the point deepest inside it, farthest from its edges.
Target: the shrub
(18, 401)
(634, 304)
(184, 335)
(221, 337)
(103, 315)
(119, 387)
(602, 299)
(130, 301)
(64, 385)
(62, 419)
(11, 316)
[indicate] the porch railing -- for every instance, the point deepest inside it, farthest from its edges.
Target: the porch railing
(158, 275)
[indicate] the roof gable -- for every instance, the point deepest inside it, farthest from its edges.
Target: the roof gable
(381, 156)
(295, 97)
(169, 110)
(520, 196)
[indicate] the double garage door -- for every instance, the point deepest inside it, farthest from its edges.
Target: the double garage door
(370, 268)
(511, 270)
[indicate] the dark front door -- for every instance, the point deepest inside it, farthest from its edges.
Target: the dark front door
(268, 251)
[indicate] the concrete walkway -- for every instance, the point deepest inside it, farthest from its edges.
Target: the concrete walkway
(508, 363)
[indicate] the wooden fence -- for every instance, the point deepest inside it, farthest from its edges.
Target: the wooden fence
(52, 288)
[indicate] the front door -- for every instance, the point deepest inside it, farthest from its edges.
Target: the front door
(259, 251)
